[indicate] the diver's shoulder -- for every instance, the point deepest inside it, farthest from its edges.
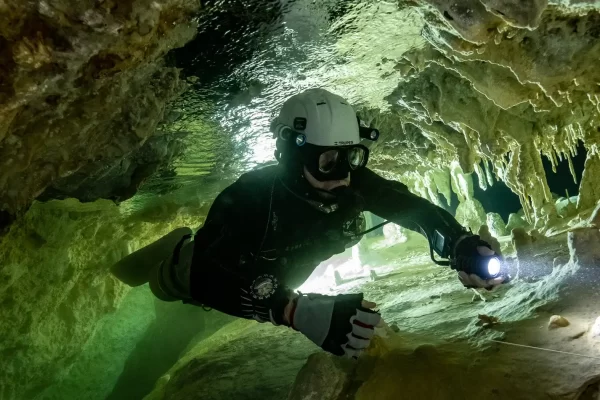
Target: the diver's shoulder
(258, 176)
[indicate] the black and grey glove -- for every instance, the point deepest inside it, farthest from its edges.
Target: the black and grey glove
(338, 324)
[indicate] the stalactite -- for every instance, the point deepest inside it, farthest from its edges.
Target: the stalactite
(572, 170)
(462, 184)
(549, 154)
(488, 173)
(430, 188)
(589, 188)
(525, 176)
(441, 178)
(553, 159)
(480, 176)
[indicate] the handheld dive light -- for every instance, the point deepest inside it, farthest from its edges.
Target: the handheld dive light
(463, 256)
(485, 267)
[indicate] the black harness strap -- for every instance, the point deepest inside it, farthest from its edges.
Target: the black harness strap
(370, 229)
(178, 248)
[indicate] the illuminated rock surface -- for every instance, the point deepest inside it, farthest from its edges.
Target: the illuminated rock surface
(96, 105)
(496, 225)
(438, 341)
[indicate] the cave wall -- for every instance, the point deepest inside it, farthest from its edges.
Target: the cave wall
(81, 82)
(487, 87)
(499, 85)
(95, 371)
(55, 288)
(490, 84)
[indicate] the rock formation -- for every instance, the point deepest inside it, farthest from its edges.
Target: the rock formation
(84, 87)
(93, 105)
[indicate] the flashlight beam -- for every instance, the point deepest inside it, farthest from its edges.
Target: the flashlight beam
(544, 349)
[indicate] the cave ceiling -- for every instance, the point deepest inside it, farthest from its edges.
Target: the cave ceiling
(111, 99)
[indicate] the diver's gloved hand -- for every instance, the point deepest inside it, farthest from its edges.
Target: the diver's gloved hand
(342, 324)
(466, 253)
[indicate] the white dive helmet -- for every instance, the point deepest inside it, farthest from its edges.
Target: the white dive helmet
(326, 119)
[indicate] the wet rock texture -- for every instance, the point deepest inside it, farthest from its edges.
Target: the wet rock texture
(237, 363)
(332, 375)
(55, 292)
(497, 97)
(83, 86)
(496, 225)
(583, 242)
(556, 321)
(434, 337)
(488, 87)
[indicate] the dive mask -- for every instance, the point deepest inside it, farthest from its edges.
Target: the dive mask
(333, 163)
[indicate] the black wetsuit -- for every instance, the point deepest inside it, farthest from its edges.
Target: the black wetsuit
(260, 238)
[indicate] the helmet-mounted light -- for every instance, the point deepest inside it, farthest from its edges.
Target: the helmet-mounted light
(368, 133)
(365, 132)
(285, 133)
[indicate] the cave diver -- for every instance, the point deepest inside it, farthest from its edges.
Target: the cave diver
(268, 231)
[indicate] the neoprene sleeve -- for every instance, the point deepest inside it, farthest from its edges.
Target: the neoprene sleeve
(393, 201)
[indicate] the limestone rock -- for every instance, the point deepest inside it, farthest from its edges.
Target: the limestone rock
(373, 275)
(394, 234)
(566, 207)
(584, 246)
(100, 365)
(470, 213)
(338, 278)
(82, 83)
(519, 13)
(589, 190)
(595, 330)
(158, 393)
(323, 377)
(522, 243)
(247, 360)
(56, 291)
(461, 183)
(485, 235)
(545, 215)
(515, 221)
(118, 179)
(475, 48)
(595, 217)
(496, 225)
(472, 20)
(556, 321)
(147, 363)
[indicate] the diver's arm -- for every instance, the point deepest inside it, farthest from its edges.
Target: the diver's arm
(223, 276)
(393, 201)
